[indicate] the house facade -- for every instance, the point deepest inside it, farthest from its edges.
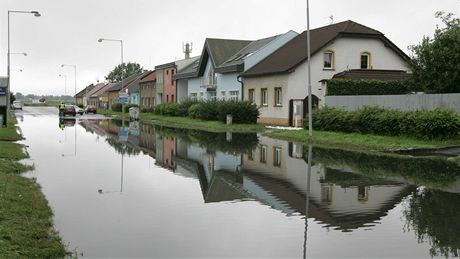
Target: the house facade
(278, 84)
(147, 90)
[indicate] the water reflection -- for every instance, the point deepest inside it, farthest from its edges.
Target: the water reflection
(341, 190)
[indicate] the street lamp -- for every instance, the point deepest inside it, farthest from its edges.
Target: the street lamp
(36, 14)
(310, 106)
(65, 83)
(19, 53)
(75, 78)
(122, 76)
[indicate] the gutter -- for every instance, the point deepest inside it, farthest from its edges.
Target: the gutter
(238, 78)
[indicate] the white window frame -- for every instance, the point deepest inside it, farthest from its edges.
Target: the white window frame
(234, 95)
(278, 96)
(264, 97)
(332, 53)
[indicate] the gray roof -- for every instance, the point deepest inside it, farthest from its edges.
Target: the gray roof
(133, 87)
(236, 62)
(126, 81)
(84, 91)
(95, 89)
(189, 71)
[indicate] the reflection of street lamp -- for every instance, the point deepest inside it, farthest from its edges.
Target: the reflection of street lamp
(75, 78)
(75, 143)
(19, 53)
(19, 70)
(101, 191)
(307, 199)
(65, 83)
(36, 14)
(122, 74)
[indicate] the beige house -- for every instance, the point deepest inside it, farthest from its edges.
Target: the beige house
(278, 84)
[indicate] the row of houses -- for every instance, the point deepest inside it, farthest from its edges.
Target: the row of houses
(270, 72)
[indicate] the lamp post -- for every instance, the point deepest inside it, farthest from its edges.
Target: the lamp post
(75, 78)
(122, 74)
(310, 106)
(36, 14)
(65, 83)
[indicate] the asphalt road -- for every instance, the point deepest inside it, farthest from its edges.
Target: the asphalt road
(46, 111)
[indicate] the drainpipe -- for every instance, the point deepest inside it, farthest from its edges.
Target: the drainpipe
(238, 78)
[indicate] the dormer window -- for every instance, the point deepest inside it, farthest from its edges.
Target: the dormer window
(365, 60)
(329, 59)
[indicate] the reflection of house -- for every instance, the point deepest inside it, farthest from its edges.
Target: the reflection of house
(278, 83)
(217, 172)
(338, 198)
(169, 151)
(80, 97)
(147, 139)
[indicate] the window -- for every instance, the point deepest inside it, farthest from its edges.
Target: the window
(328, 59)
(365, 60)
(172, 98)
(167, 98)
(167, 72)
(193, 96)
(201, 96)
(212, 96)
(278, 96)
(223, 95)
(263, 97)
(363, 193)
(263, 154)
(234, 95)
(252, 97)
(326, 193)
(277, 156)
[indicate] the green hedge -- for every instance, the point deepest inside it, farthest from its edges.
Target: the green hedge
(366, 87)
(242, 112)
(116, 107)
(435, 124)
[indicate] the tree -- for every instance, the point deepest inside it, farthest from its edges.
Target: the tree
(125, 69)
(436, 61)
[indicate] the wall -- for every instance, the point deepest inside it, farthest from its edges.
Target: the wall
(399, 102)
(182, 89)
(227, 83)
(270, 114)
(169, 86)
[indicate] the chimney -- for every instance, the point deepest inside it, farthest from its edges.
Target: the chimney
(187, 48)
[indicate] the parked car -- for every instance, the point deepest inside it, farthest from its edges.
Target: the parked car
(90, 109)
(79, 110)
(69, 109)
(17, 105)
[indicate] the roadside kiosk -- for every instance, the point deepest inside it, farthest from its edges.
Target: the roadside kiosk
(3, 100)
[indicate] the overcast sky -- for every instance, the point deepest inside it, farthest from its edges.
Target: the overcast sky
(153, 31)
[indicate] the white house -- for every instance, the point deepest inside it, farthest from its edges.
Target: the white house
(278, 84)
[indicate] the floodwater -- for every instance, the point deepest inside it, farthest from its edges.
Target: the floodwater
(121, 189)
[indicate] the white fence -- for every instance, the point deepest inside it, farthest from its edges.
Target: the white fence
(410, 102)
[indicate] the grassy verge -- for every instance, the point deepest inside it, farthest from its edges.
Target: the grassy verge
(10, 133)
(26, 227)
(184, 122)
(357, 141)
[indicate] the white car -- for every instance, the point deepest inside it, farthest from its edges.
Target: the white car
(17, 105)
(78, 110)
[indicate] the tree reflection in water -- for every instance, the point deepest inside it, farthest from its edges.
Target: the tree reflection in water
(122, 148)
(433, 216)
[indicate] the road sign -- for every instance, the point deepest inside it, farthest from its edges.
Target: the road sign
(123, 134)
(123, 99)
(123, 94)
(2, 91)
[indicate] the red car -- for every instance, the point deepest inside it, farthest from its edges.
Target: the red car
(69, 110)
(90, 109)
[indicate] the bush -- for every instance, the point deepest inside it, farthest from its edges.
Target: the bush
(195, 111)
(439, 123)
(167, 109)
(435, 124)
(127, 106)
(182, 109)
(242, 112)
(116, 107)
(367, 87)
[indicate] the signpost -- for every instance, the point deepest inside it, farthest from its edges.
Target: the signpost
(123, 99)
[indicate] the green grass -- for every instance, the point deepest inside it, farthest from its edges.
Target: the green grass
(185, 122)
(10, 132)
(357, 141)
(26, 227)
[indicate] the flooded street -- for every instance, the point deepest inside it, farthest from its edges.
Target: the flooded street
(121, 189)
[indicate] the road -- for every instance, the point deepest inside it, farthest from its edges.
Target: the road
(43, 111)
